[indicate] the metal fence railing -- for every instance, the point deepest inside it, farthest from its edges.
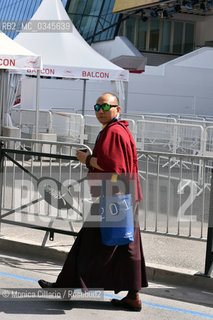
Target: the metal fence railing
(35, 177)
(25, 120)
(69, 127)
(169, 137)
(176, 190)
(151, 132)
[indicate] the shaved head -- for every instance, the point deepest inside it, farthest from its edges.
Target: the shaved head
(116, 100)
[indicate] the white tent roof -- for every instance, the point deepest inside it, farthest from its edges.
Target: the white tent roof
(200, 58)
(14, 56)
(65, 54)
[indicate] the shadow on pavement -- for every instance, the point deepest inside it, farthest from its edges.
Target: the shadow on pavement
(51, 307)
(184, 294)
(26, 264)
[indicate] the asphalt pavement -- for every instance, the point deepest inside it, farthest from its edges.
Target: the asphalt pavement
(22, 298)
(175, 261)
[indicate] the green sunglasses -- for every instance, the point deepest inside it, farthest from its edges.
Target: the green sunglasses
(104, 106)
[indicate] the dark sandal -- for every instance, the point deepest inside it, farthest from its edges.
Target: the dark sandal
(45, 284)
(130, 304)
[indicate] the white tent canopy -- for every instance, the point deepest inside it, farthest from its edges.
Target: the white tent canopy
(12, 57)
(200, 58)
(65, 54)
(15, 56)
(180, 86)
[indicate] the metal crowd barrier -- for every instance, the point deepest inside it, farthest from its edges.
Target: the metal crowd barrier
(178, 198)
(25, 120)
(41, 189)
(209, 141)
(151, 132)
(170, 137)
(68, 126)
(176, 190)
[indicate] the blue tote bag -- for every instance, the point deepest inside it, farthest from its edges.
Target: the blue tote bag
(117, 221)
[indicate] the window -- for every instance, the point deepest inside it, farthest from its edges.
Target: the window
(166, 36)
(178, 36)
(87, 25)
(159, 35)
(121, 29)
(154, 34)
(17, 10)
(76, 6)
(189, 38)
(142, 34)
(93, 8)
(90, 17)
(130, 28)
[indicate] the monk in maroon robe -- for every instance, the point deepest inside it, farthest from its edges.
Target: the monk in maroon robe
(90, 263)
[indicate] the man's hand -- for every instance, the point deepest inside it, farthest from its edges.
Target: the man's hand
(81, 156)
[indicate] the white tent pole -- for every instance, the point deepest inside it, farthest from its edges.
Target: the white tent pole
(84, 97)
(126, 94)
(37, 102)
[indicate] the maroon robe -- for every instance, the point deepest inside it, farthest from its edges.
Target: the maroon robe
(91, 264)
